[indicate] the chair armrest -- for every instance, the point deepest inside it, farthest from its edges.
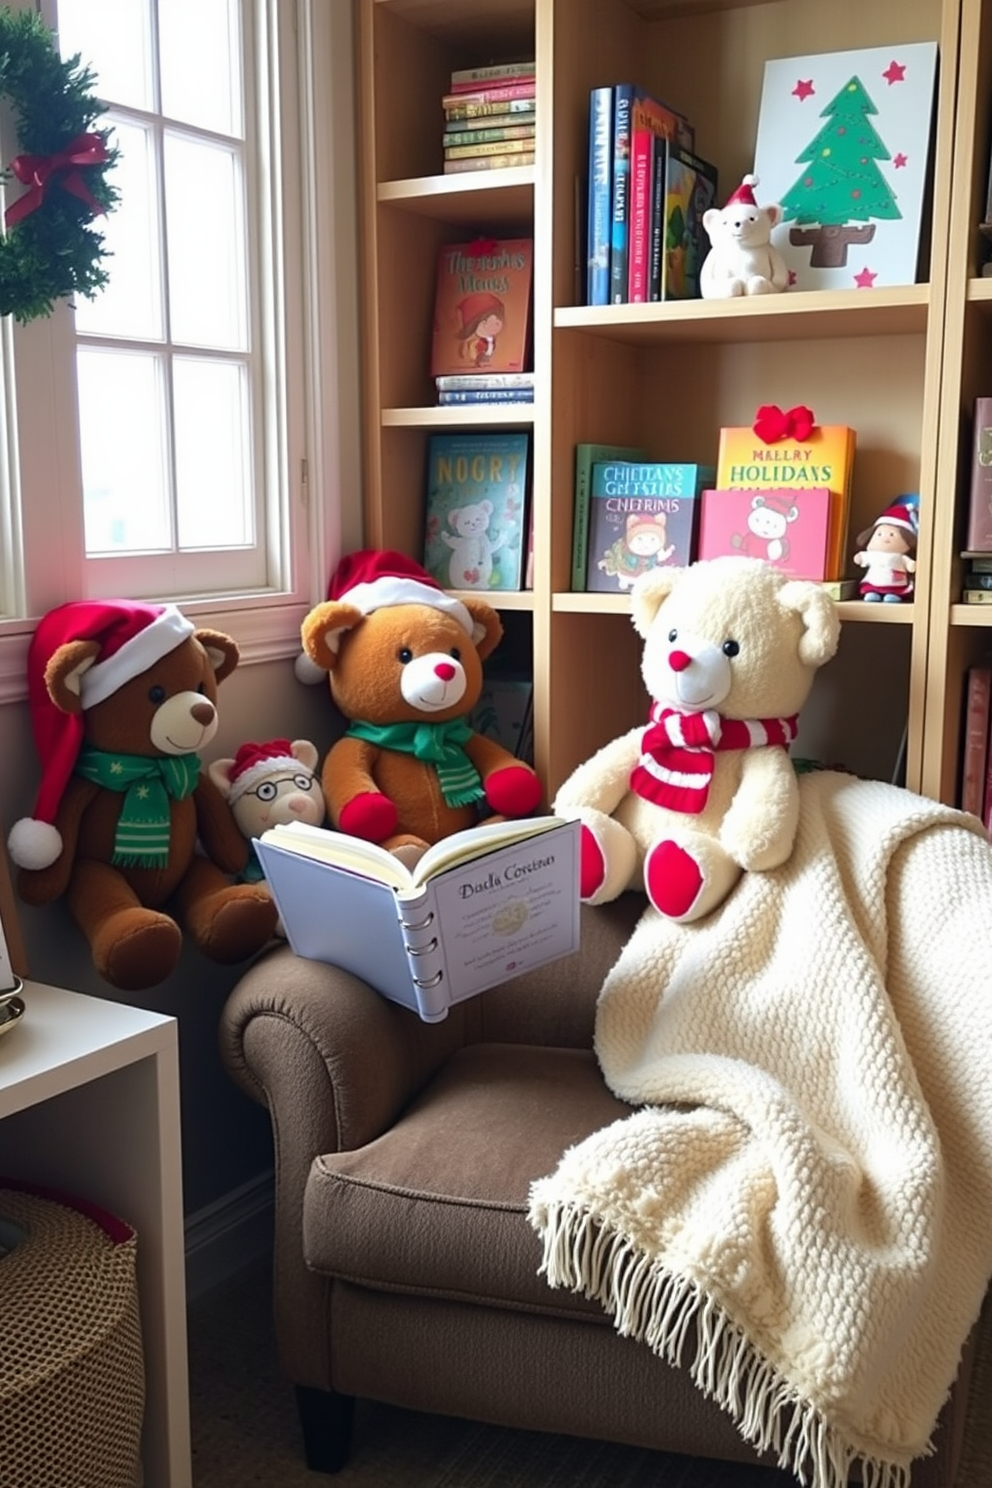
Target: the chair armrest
(333, 1061)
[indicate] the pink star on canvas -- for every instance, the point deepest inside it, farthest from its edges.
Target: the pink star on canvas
(865, 278)
(895, 73)
(898, 161)
(803, 89)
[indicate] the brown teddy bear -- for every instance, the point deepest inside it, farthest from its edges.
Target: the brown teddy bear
(122, 696)
(404, 658)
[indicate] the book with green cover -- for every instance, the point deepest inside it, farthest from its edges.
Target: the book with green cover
(587, 455)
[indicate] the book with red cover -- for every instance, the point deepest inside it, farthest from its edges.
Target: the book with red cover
(816, 455)
(787, 526)
(642, 152)
(980, 493)
(482, 306)
(975, 743)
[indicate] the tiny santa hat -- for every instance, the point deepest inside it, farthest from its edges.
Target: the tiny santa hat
(899, 514)
(255, 762)
(475, 307)
(374, 579)
(131, 637)
(744, 195)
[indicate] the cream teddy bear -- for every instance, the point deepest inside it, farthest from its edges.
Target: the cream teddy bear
(706, 790)
(742, 259)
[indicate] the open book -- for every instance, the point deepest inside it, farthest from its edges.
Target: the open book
(479, 907)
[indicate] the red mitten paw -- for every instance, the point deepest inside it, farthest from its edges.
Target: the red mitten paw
(513, 791)
(672, 879)
(592, 864)
(372, 816)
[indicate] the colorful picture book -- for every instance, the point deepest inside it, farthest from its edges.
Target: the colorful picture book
(787, 527)
(586, 455)
(685, 186)
(476, 509)
(479, 907)
(979, 538)
(641, 515)
(824, 457)
(482, 304)
(843, 146)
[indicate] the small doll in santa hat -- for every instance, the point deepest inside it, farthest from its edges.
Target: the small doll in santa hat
(481, 318)
(886, 552)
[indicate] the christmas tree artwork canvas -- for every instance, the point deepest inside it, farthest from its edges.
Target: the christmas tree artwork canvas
(843, 146)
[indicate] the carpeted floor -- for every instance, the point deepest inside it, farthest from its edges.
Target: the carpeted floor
(245, 1432)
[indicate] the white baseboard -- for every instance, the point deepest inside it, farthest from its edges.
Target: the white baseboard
(229, 1236)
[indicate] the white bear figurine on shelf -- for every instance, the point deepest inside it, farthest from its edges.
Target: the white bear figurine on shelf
(742, 259)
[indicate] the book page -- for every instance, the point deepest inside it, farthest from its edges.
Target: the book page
(512, 910)
(475, 842)
(328, 846)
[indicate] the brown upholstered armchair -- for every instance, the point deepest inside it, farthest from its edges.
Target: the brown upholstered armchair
(405, 1268)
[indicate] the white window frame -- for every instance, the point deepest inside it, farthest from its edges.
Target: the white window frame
(322, 447)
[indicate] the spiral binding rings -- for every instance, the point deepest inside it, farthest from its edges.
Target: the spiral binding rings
(424, 950)
(434, 981)
(422, 925)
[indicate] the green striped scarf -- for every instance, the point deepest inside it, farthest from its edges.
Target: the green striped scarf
(148, 784)
(439, 744)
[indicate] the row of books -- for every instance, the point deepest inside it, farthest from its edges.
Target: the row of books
(787, 505)
(977, 578)
(489, 117)
(647, 193)
(976, 744)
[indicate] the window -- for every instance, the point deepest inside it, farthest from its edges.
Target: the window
(162, 438)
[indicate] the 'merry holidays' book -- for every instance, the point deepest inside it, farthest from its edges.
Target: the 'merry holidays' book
(480, 907)
(786, 448)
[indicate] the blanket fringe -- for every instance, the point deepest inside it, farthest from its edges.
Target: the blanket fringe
(656, 1306)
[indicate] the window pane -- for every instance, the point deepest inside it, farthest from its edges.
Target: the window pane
(131, 304)
(124, 454)
(204, 195)
(199, 44)
(113, 39)
(213, 454)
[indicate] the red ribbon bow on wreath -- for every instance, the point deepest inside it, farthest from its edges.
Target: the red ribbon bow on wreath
(771, 424)
(36, 171)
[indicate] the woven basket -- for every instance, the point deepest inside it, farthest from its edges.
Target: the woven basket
(72, 1387)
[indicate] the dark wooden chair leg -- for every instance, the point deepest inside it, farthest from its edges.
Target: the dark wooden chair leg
(326, 1420)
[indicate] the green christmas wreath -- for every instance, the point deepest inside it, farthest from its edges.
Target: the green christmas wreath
(50, 249)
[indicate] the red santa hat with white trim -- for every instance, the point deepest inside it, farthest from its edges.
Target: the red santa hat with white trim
(900, 514)
(374, 579)
(254, 763)
(744, 195)
(132, 637)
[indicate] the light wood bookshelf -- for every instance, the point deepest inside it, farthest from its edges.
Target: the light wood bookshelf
(899, 364)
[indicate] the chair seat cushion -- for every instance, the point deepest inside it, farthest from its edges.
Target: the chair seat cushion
(438, 1204)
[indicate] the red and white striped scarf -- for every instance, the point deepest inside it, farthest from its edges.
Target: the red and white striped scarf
(677, 753)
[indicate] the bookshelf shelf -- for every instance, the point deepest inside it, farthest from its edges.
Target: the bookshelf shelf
(837, 313)
(497, 196)
(460, 416)
(901, 365)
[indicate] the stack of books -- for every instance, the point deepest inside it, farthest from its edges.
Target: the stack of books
(484, 387)
(647, 192)
(977, 578)
(489, 117)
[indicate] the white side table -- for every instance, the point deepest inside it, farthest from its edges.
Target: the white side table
(89, 1102)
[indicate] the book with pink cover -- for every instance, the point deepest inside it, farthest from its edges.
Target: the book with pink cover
(787, 526)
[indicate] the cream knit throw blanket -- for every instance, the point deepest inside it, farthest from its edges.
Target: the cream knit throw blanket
(801, 1215)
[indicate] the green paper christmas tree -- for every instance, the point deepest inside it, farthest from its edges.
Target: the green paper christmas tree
(843, 186)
